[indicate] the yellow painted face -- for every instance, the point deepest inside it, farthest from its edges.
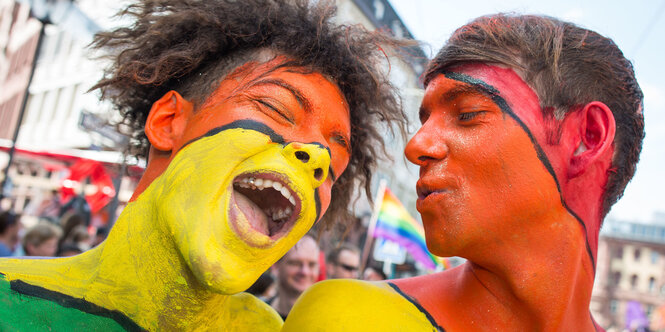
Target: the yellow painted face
(246, 184)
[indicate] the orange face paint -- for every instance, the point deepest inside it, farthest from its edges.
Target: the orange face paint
(484, 175)
(298, 107)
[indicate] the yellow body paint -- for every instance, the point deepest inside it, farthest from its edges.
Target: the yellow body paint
(174, 260)
(354, 305)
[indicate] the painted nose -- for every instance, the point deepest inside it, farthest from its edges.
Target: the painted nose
(427, 145)
(312, 157)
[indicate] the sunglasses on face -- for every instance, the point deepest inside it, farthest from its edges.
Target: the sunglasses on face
(348, 268)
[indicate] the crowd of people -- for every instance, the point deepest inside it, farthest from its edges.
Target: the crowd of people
(67, 235)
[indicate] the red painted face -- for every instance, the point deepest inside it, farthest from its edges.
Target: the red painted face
(299, 107)
(482, 177)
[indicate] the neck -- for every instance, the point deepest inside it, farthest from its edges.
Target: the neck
(285, 300)
(158, 162)
(144, 262)
(579, 192)
(136, 271)
(541, 279)
(545, 277)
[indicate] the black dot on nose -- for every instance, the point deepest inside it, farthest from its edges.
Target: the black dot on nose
(318, 173)
(302, 156)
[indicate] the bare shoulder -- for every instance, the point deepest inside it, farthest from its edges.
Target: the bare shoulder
(354, 305)
(245, 312)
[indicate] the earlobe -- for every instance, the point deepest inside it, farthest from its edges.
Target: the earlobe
(166, 120)
(596, 130)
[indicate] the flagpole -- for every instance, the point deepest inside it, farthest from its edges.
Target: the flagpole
(372, 224)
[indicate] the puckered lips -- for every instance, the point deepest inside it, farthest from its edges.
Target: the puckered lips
(267, 202)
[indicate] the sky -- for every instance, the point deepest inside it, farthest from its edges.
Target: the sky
(637, 27)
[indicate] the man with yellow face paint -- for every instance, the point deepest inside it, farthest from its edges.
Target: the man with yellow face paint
(256, 116)
(531, 129)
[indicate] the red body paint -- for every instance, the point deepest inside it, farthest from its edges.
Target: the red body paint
(496, 189)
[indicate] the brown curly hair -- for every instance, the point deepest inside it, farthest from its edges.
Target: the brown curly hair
(190, 45)
(568, 66)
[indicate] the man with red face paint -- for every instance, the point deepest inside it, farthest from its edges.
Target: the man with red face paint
(257, 117)
(531, 129)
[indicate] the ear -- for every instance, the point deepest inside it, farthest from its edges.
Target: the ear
(596, 137)
(167, 119)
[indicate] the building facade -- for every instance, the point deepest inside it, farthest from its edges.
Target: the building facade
(62, 121)
(630, 272)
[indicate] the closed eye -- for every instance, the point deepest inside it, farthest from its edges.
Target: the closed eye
(341, 140)
(468, 116)
(274, 108)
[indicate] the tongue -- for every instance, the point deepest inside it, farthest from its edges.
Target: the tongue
(257, 219)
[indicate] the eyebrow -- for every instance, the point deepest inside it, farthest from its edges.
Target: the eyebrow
(300, 97)
(466, 87)
(304, 103)
(461, 90)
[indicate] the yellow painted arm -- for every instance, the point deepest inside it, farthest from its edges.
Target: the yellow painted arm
(354, 305)
(245, 312)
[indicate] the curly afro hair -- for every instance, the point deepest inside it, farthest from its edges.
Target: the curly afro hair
(190, 45)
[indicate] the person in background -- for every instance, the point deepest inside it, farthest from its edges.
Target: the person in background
(68, 222)
(374, 273)
(296, 271)
(343, 262)
(9, 227)
(80, 237)
(69, 249)
(264, 287)
(42, 240)
(100, 236)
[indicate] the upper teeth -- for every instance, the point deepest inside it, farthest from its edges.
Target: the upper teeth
(261, 184)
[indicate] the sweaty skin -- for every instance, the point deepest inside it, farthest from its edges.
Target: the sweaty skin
(499, 188)
(197, 231)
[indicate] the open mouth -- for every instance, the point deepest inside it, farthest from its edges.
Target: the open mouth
(267, 202)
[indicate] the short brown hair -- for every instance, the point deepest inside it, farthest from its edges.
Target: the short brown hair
(568, 67)
(333, 256)
(41, 233)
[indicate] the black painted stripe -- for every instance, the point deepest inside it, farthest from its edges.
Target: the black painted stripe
(242, 124)
(317, 204)
(262, 128)
(420, 307)
(333, 177)
(493, 93)
(593, 321)
(67, 301)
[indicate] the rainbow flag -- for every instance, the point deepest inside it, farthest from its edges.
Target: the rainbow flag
(394, 223)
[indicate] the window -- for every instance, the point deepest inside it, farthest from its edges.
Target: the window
(616, 278)
(614, 306)
(637, 254)
(618, 252)
(654, 257)
(652, 284)
(633, 281)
